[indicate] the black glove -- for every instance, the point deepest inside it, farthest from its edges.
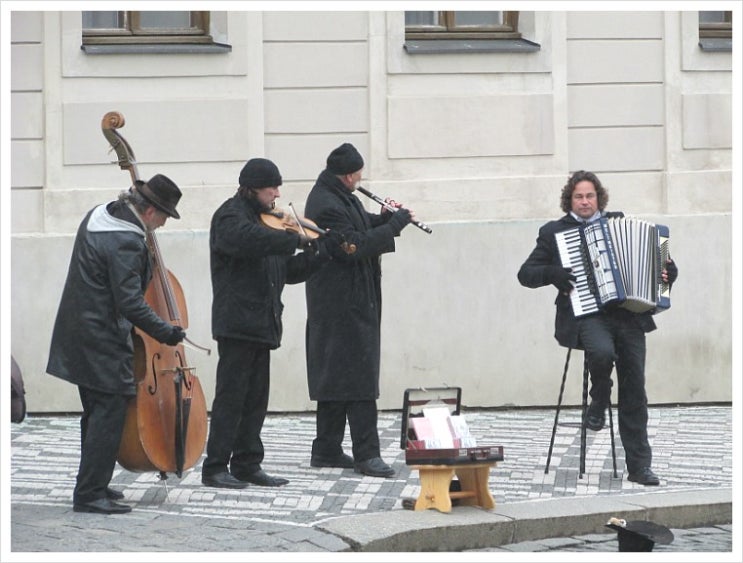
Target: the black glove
(399, 220)
(176, 336)
(333, 245)
(672, 271)
(305, 242)
(561, 278)
(334, 237)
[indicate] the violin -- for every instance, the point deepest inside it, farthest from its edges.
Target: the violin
(279, 219)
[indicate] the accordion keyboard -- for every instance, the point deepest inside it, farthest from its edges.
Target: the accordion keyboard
(571, 249)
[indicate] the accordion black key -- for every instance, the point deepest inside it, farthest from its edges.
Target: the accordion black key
(616, 261)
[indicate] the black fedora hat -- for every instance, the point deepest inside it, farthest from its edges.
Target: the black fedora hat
(161, 192)
(639, 535)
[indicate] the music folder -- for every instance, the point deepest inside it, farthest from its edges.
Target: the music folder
(433, 431)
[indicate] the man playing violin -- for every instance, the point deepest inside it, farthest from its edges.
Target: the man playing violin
(250, 264)
(344, 304)
(92, 347)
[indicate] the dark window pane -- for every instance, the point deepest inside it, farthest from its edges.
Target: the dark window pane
(712, 17)
(103, 20)
(486, 19)
(165, 19)
(421, 18)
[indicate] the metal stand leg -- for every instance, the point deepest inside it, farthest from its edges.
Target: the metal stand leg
(584, 404)
(557, 411)
(613, 451)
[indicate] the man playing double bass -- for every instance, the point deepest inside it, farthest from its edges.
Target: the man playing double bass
(92, 347)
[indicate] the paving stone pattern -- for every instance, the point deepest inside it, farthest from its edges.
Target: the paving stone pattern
(693, 452)
(692, 447)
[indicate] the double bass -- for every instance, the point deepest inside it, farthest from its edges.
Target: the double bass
(166, 423)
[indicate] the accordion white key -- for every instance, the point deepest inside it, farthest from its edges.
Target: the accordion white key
(616, 261)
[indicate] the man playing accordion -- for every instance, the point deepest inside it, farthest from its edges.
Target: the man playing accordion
(612, 336)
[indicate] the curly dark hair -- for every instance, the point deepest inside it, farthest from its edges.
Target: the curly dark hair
(567, 191)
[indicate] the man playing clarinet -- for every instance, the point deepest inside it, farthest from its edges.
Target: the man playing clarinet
(612, 336)
(344, 308)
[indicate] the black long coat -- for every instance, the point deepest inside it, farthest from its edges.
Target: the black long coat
(344, 299)
(533, 274)
(103, 298)
(250, 265)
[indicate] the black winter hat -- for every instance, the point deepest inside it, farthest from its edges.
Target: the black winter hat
(639, 535)
(260, 173)
(161, 192)
(345, 160)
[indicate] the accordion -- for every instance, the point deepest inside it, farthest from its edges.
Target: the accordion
(616, 261)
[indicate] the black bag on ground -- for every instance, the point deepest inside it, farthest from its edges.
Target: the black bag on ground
(17, 393)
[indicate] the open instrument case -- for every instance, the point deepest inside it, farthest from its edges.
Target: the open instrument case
(414, 401)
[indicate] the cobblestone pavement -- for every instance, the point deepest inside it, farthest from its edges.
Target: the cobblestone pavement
(692, 448)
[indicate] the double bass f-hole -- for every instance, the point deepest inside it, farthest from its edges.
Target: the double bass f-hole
(187, 382)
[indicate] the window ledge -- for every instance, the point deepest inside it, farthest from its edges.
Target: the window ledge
(439, 46)
(716, 44)
(156, 49)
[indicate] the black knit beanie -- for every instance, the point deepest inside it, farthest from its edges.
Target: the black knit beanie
(260, 173)
(345, 160)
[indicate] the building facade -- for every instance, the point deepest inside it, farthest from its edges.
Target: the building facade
(477, 135)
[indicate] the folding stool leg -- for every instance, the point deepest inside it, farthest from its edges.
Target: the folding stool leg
(613, 451)
(557, 411)
(582, 468)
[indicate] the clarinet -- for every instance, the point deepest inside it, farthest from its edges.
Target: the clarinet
(388, 207)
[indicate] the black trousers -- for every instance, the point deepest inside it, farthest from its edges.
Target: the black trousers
(239, 409)
(331, 428)
(613, 339)
(101, 427)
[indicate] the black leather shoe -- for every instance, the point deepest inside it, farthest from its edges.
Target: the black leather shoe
(222, 480)
(102, 506)
(645, 477)
(262, 479)
(595, 416)
(343, 461)
(113, 494)
(374, 467)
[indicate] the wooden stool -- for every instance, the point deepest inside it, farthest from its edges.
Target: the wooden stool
(436, 479)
